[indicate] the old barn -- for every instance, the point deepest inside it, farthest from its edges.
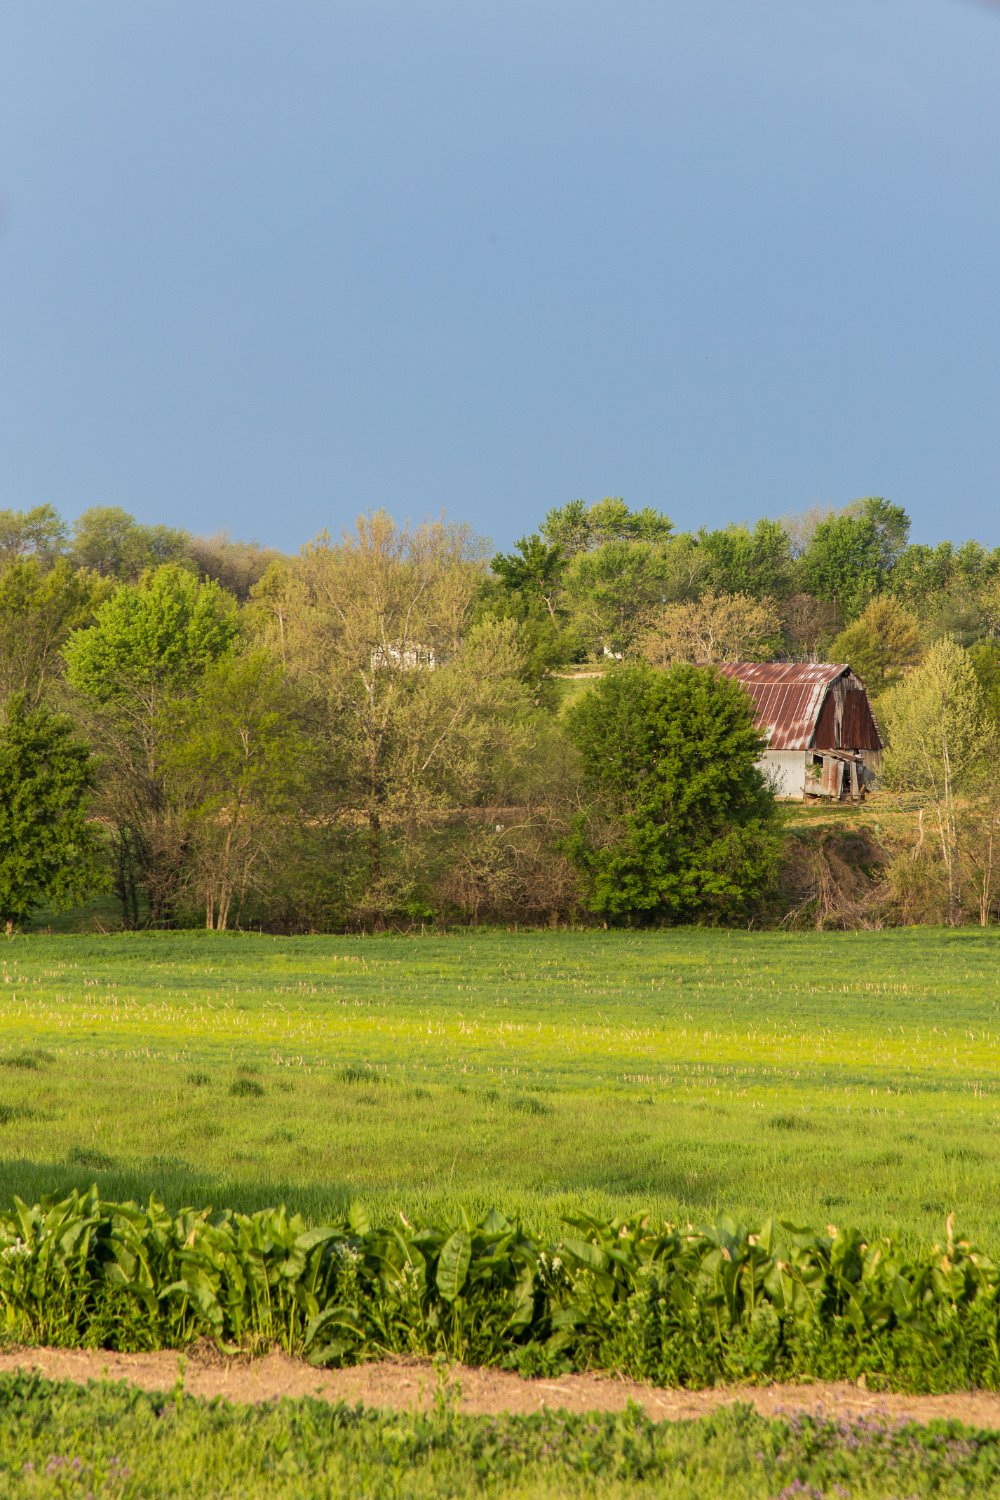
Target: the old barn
(822, 738)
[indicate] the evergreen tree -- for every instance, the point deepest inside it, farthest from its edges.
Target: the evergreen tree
(680, 823)
(48, 853)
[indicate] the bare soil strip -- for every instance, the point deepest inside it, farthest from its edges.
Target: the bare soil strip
(411, 1386)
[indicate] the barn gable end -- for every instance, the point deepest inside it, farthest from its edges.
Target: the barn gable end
(822, 737)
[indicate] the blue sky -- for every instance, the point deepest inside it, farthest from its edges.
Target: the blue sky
(264, 265)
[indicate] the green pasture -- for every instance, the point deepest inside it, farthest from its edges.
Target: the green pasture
(852, 1078)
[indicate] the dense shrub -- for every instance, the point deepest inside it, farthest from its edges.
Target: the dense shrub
(679, 822)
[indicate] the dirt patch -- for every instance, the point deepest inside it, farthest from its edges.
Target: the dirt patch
(405, 1385)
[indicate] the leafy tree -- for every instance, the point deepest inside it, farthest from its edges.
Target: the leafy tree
(39, 533)
(938, 739)
(985, 659)
(509, 863)
(851, 556)
(680, 822)
(151, 638)
(611, 520)
(236, 764)
(527, 585)
(413, 703)
(891, 523)
(39, 608)
(111, 542)
(569, 528)
(534, 568)
(578, 527)
(717, 627)
(881, 644)
(545, 643)
(614, 593)
(800, 526)
(952, 590)
(687, 569)
(48, 851)
(975, 563)
(236, 566)
(741, 561)
(921, 573)
(149, 645)
(988, 607)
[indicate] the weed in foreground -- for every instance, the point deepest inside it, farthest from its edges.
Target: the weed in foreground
(89, 1158)
(246, 1088)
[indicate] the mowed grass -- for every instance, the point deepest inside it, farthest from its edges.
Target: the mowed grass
(852, 1078)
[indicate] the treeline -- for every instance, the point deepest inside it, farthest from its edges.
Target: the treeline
(374, 731)
(602, 580)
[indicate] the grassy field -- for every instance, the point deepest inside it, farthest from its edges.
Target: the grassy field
(844, 1077)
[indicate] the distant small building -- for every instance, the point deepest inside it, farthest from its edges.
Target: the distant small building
(406, 658)
(822, 738)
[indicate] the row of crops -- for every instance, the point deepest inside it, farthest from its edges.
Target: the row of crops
(688, 1306)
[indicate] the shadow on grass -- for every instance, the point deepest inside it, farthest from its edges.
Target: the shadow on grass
(171, 1180)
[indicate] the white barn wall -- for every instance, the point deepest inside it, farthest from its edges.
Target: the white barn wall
(786, 771)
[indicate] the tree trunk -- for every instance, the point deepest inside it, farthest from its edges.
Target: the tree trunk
(374, 846)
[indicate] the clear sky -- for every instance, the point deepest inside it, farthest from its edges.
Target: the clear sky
(267, 263)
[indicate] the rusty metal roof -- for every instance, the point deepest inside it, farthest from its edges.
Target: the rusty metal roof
(788, 697)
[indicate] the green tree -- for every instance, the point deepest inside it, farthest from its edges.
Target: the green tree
(414, 703)
(237, 765)
(680, 822)
(985, 659)
(881, 644)
(614, 593)
(39, 533)
(110, 541)
(527, 585)
(687, 569)
(48, 851)
(939, 738)
(755, 562)
(851, 555)
(579, 527)
(952, 590)
(149, 639)
(149, 645)
(535, 569)
(39, 608)
(922, 573)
